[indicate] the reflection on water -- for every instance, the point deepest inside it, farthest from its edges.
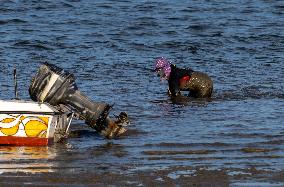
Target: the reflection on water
(26, 159)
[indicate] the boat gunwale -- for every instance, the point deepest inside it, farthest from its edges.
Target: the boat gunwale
(53, 110)
(31, 112)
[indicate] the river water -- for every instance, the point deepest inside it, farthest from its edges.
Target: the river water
(234, 139)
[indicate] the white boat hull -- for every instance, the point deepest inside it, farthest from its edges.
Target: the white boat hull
(31, 123)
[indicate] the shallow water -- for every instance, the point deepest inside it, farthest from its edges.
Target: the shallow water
(110, 47)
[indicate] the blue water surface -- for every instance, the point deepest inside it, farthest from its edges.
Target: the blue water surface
(110, 47)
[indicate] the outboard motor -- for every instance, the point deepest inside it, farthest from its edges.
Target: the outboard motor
(57, 87)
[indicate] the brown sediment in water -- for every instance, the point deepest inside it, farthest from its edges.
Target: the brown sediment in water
(256, 150)
(186, 152)
(166, 144)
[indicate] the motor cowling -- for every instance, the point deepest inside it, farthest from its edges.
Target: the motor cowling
(56, 86)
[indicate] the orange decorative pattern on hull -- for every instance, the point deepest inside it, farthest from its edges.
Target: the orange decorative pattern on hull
(25, 141)
(24, 125)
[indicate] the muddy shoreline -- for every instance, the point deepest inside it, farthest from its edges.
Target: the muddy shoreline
(174, 176)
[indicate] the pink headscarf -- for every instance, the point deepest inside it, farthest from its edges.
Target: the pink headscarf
(163, 66)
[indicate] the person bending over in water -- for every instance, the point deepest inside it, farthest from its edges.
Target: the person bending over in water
(197, 83)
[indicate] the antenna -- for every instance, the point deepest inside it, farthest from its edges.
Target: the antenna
(16, 84)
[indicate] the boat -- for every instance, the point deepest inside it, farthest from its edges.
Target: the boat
(29, 123)
(55, 100)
